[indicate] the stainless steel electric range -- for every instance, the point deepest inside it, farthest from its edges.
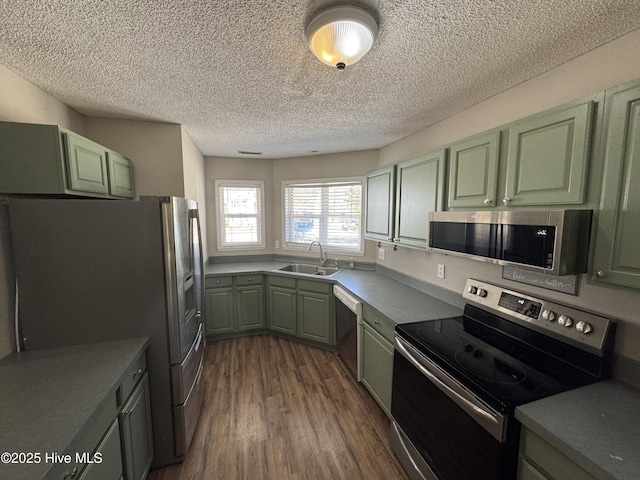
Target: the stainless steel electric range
(457, 381)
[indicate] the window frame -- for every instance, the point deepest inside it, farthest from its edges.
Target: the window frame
(324, 182)
(259, 185)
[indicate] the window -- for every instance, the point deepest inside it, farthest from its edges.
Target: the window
(240, 214)
(327, 211)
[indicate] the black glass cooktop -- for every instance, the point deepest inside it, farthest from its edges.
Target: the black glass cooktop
(502, 368)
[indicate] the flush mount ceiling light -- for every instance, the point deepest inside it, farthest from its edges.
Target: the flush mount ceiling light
(341, 36)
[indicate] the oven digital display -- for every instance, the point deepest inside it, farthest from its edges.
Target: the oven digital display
(520, 305)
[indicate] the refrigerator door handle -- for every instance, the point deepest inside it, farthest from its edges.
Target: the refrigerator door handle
(198, 276)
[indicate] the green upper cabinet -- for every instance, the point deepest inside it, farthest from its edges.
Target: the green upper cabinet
(548, 157)
(120, 175)
(47, 159)
(379, 209)
(538, 161)
(86, 163)
(419, 190)
(616, 257)
(473, 171)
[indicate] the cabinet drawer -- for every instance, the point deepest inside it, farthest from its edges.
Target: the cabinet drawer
(132, 377)
(248, 280)
(286, 282)
(379, 323)
(311, 286)
(214, 282)
(547, 459)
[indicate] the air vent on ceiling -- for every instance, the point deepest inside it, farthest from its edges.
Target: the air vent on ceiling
(245, 152)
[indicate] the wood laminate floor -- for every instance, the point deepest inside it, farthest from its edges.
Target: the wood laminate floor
(276, 409)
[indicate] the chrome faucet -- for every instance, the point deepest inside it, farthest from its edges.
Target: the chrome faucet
(323, 257)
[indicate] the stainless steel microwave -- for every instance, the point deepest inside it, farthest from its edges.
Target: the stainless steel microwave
(550, 241)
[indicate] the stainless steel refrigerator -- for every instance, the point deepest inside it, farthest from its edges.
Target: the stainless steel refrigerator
(97, 270)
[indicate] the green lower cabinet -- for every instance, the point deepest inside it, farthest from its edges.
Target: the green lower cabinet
(377, 364)
(616, 259)
(107, 458)
(250, 307)
(220, 310)
(314, 316)
(282, 312)
(541, 461)
(137, 436)
(235, 305)
(302, 309)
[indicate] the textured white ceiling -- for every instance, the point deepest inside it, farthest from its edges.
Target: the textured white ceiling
(239, 76)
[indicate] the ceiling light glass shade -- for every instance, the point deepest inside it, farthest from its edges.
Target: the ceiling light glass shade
(341, 36)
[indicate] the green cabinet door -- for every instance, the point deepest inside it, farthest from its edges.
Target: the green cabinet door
(419, 190)
(250, 307)
(548, 157)
(120, 175)
(379, 208)
(109, 467)
(86, 164)
(314, 314)
(473, 171)
(137, 439)
(616, 257)
(282, 309)
(377, 366)
(220, 310)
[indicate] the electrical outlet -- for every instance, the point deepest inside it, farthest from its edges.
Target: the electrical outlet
(277, 243)
(440, 270)
(381, 253)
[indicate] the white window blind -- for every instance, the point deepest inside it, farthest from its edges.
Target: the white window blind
(240, 215)
(328, 211)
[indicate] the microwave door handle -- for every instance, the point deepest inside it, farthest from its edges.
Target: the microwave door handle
(492, 422)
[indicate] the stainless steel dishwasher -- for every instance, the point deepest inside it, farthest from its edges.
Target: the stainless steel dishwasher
(348, 330)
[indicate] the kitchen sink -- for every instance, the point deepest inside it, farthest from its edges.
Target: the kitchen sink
(307, 269)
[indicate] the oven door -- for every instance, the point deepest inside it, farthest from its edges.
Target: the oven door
(456, 434)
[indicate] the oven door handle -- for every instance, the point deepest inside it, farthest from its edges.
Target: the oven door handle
(493, 422)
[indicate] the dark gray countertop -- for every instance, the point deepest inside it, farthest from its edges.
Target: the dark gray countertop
(399, 302)
(597, 426)
(48, 395)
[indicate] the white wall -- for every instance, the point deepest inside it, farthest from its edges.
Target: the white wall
(154, 148)
(21, 101)
(195, 182)
(227, 168)
(612, 64)
(273, 172)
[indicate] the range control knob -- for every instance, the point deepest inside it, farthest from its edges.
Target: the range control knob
(584, 327)
(481, 292)
(548, 315)
(472, 289)
(565, 321)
